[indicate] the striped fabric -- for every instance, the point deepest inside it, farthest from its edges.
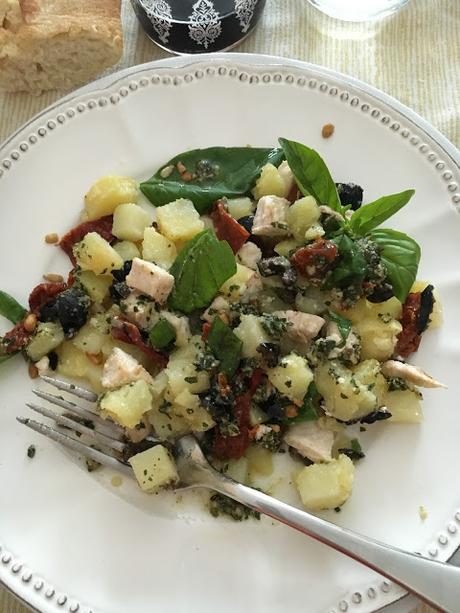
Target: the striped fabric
(413, 56)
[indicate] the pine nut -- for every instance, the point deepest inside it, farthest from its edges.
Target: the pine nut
(53, 278)
(30, 322)
(51, 238)
(33, 371)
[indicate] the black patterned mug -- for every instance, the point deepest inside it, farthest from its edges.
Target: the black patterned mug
(198, 26)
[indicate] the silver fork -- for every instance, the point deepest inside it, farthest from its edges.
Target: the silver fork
(436, 583)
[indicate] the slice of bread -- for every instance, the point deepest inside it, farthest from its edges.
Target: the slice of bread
(57, 44)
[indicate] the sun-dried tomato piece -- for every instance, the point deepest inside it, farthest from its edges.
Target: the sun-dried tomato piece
(205, 329)
(231, 447)
(44, 293)
(234, 447)
(227, 228)
(409, 338)
(127, 332)
(315, 260)
(16, 339)
(102, 226)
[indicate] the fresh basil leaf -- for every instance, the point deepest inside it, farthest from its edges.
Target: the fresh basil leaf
(355, 445)
(343, 325)
(351, 267)
(216, 172)
(311, 173)
(200, 270)
(162, 334)
(401, 256)
(10, 308)
(375, 213)
(225, 346)
(308, 410)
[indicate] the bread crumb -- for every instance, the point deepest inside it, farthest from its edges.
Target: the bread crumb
(422, 512)
(116, 481)
(328, 130)
(52, 238)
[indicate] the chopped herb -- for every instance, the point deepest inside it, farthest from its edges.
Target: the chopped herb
(222, 505)
(275, 326)
(354, 451)
(162, 334)
(191, 379)
(397, 384)
(31, 451)
(343, 325)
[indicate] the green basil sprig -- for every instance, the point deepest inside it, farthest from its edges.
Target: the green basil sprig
(401, 256)
(10, 308)
(215, 172)
(225, 346)
(200, 269)
(371, 215)
(312, 174)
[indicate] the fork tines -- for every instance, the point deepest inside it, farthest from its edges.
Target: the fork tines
(96, 430)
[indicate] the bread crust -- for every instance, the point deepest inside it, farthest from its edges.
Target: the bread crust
(57, 44)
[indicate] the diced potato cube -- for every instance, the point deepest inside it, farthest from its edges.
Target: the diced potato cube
(166, 424)
(181, 367)
(302, 215)
(238, 470)
(158, 385)
(260, 461)
(405, 406)
(154, 469)
(158, 249)
(127, 250)
(350, 394)
(129, 222)
(326, 486)
(96, 286)
(95, 253)
(252, 334)
(377, 326)
(287, 175)
(291, 377)
(244, 280)
(240, 207)
(436, 316)
(127, 404)
(89, 339)
(314, 231)
(270, 183)
(188, 406)
(72, 360)
(47, 337)
(179, 220)
(107, 193)
(285, 247)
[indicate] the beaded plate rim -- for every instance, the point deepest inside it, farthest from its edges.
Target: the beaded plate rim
(15, 575)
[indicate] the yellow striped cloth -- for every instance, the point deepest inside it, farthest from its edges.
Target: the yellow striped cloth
(413, 56)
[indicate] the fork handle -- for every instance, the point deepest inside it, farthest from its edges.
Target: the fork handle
(437, 583)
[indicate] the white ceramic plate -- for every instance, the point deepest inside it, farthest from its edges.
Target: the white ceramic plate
(70, 541)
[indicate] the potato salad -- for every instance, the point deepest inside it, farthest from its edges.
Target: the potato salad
(242, 295)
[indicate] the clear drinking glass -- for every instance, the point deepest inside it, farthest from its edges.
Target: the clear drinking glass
(358, 10)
